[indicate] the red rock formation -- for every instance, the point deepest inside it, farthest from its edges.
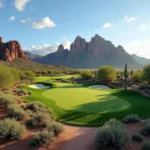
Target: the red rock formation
(11, 50)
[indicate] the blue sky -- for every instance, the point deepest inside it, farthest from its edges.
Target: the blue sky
(40, 25)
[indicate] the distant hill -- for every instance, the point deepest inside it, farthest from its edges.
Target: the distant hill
(32, 56)
(30, 65)
(141, 60)
(90, 55)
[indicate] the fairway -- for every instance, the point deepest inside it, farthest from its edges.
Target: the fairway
(80, 105)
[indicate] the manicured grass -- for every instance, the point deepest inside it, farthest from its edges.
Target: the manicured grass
(80, 105)
(45, 78)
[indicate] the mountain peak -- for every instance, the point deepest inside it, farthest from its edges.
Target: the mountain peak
(60, 48)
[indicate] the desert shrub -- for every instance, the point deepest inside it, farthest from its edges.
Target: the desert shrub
(147, 122)
(42, 138)
(137, 137)
(111, 136)
(114, 123)
(133, 118)
(87, 75)
(29, 75)
(146, 73)
(22, 92)
(11, 129)
(29, 113)
(146, 146)
(37, 119)
(37, 107)
(8, 99)
(138, 76)
(106, 74)
(16, 112)
(56, 127)
(144, 87)
(6, 77)
(145, 130)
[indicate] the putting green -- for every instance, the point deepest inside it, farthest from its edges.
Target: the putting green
(71, 97)
(76, 104)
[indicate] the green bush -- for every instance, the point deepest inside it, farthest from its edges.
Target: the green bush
(146, 146)
(147, 122)
(106, 74)
(137, 137)
(42, 138)
(11, 129)
(146, 73)
(16, 112)
(145, 130)
(138, 76)
(87, 75)
(56, 127)
(37, 119)
(114, 123)
(8, 99)
(133, 118)
(6, 77)
(107, 136)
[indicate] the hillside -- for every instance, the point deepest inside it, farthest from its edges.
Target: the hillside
(141, 60)
(32, 56)
(90, 55)
(30, 65)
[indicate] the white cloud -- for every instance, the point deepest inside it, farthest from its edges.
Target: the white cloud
(107, 25)
(64, 38)
(67, 44)
(140, 48)
(42, 50)
(46, 48)
(1, 3)
(129, 19)
(43, 23)
(20, 4)
(145, 26)
(23, 21)
(12, 18)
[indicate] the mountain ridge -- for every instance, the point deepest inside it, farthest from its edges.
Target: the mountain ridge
(89, 55)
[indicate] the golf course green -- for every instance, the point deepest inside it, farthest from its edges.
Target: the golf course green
(80, 105)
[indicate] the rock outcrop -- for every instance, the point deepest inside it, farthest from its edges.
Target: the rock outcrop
(93, 54)
(11, 50)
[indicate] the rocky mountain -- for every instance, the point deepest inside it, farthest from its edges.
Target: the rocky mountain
(93, 54)
(141, 60)
(32, 56)
(11, 50)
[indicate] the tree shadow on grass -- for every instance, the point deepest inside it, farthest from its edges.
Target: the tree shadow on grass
(87, 114)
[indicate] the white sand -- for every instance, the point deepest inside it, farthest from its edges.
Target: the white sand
(39, 86)
(100, 87)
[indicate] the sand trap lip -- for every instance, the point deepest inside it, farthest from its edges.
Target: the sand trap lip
(100, 87)
(39, 86)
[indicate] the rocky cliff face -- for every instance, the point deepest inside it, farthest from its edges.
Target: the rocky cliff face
(93, 54)
(11, 50)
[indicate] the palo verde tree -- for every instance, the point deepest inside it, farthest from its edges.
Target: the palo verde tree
(126, 74)
(131, 73)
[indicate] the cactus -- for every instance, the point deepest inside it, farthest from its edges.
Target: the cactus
(126, 74)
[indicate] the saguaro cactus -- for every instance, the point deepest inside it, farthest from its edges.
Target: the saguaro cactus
(126, 74)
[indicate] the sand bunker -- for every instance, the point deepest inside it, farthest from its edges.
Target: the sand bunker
(39, 86)
(100, 87)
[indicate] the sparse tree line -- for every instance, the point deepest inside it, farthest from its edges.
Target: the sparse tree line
(107, 74)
